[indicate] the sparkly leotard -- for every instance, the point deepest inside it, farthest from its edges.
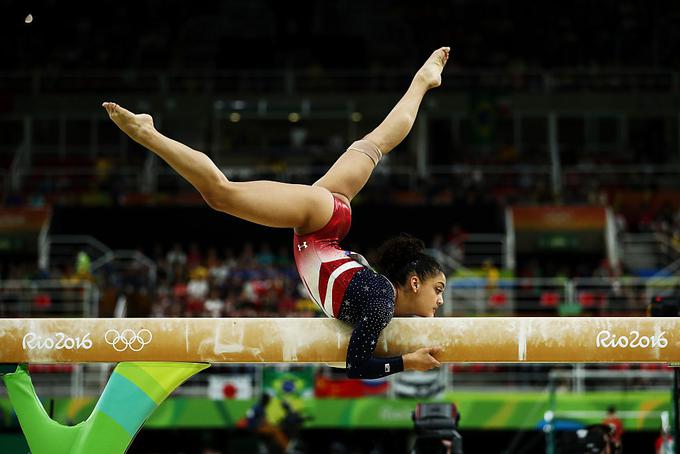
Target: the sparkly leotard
(347, 290)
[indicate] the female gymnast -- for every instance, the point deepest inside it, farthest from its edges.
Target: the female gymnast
(341, 283)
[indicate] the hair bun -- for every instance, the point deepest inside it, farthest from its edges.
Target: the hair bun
(402, 255)
(396, 252)
(410, 246)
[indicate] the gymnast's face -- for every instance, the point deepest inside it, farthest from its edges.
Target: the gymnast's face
(427, 294)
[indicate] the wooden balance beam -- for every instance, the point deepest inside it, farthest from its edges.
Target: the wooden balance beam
(321, 340)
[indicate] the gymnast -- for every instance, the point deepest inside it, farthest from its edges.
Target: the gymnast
(340, 282)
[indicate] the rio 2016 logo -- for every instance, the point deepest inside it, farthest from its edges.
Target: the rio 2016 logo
(58, 341)
(128, 339)
(605, 339)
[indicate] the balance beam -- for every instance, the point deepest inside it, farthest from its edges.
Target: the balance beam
(321, 340)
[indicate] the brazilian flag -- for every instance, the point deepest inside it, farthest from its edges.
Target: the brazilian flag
(483, 115)
(293, 386)
(298, 382)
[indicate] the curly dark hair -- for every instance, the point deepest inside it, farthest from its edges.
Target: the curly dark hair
(403, 255)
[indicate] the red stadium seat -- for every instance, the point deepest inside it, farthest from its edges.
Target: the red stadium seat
(550, 299)
(42, 301)
(590, 300)
(498, 299)
(586, 299)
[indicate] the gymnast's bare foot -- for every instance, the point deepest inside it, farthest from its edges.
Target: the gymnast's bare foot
(431, 71)
(138, 126)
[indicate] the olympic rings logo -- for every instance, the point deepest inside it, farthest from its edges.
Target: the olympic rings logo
(128, 339)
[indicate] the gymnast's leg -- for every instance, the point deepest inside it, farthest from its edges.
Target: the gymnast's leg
(269, 203)
(274, 204)
(351, 171)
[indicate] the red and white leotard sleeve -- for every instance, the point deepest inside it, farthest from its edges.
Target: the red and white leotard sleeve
(324, 267)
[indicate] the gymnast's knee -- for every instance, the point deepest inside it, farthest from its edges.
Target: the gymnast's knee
(217, 194)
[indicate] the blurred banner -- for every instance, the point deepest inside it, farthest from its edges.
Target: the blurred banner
(20, 229)
(559, 228)
(230, 387)
(290, 389)
(297, 382)
(507, 410)
(339, 386)
(333, 383)
(558, 218)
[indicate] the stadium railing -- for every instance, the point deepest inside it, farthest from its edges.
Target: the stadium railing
(68, 297)
(649, 251)
(478, 295)
(290, 81)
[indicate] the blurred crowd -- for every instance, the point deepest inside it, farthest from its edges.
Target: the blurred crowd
(316, 35)
(192, 280)
(195, 282)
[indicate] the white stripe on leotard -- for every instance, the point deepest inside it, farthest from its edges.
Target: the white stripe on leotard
(328, 301)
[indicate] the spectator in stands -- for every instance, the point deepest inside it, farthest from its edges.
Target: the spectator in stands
(614, 421)
(176, 256)
(214, 305)
(163, 298)
(265, 257)
(246, 260)
(492, 274)
(218, 269)
(83, 271)
(282, 258)
(455, 245)
(664, 444)
(259, 424)
(197, 290)
(194, 258)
